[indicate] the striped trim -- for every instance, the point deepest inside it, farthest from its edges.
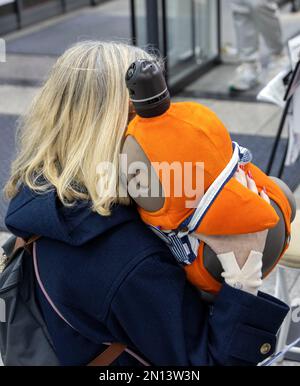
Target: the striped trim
(240, 155)
(181, 247)
(183, 244)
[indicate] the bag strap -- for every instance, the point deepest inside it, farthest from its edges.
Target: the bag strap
(108, 356)
(21, 243)
(240, 155)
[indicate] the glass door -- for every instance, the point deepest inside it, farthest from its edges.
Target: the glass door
(8, 16)
(187, 34)
(206, 29)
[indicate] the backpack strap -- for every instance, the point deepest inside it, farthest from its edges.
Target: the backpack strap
(21, 243)
(12, 245)
(108, 356)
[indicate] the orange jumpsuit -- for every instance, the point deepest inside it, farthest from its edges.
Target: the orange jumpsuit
(190, 132)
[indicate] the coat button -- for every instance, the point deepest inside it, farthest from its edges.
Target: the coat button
(265, 348)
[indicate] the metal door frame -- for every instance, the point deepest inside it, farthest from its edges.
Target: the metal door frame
(154, 25)
(157, 36)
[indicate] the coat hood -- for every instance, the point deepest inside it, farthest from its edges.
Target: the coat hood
(30, 213)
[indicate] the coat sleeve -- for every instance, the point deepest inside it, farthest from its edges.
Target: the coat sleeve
(158, 313)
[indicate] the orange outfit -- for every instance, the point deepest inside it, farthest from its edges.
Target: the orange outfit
(190, 132)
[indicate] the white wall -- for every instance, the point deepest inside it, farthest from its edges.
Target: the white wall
(2, 2)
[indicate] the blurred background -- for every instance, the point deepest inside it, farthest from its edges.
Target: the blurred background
(197, 40)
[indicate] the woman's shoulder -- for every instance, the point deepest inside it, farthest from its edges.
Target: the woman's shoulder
(88, 275)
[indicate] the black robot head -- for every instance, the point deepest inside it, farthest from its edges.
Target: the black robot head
(148, 88)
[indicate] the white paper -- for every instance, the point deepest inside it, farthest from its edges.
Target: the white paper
(294, 48)
(274, 91)
(294, 131)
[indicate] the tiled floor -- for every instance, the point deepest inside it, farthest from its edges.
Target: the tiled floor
(3, 237)
(15, 99)
(245, 118)
(215, 84)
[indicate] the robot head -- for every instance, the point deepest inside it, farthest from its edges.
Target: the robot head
(148, 88)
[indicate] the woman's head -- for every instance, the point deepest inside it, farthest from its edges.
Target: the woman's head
(76, 122)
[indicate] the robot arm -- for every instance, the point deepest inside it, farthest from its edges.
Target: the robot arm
(275, 244)
(135, 176)
(150, 97)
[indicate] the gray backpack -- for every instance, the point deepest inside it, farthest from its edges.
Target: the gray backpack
(24, 338)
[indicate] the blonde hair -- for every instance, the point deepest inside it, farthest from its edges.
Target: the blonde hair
(76, 122)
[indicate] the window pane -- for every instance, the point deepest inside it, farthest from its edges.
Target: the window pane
(192, 27)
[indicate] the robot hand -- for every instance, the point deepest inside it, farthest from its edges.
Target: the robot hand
(240, 245)
(241, 255)
(248, 278)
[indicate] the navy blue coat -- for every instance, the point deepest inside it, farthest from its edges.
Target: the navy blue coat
(115, 281)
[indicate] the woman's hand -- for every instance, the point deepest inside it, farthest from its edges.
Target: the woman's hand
(240, 245)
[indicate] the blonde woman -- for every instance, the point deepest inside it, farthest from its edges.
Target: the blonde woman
(103, 276)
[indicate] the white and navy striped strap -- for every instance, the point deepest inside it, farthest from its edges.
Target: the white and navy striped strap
(240, 155)
(184, 249)
(182, 242)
